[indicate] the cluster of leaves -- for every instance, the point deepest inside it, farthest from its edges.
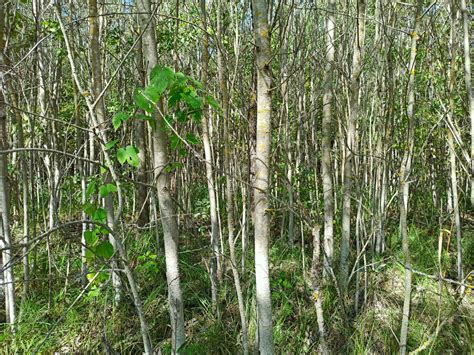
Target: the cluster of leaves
(148, 263)
(96, 245)
(185, 100)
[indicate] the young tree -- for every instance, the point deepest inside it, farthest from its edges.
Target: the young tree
(350, 147)
(205, 121)
(166, 203)
(468, 82)
(5, 225)
(326, 144)
(262, 175)
(405, 171)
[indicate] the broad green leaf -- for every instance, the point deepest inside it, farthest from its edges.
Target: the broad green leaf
(122, 155)
(174, 141)
(128, 154)
(89, 255)
(174, 98)
(104, 249)
(151, 94)
(132, 156)
(99, 215)
(118, 118)
(161, 77)
(106, 189)
(93, 293)
(89, 209)
(192, 139)
(173, 166)
(141, 101)
(192, 100)
(181, 78)
(98, 277)
(111, 144)
(181, 116)
(91, 188)
(91, 238)
(197, 115)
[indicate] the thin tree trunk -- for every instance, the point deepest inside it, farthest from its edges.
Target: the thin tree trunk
(405, 170)
(229, 189)
(123, 256)
(166, 203)
(327, 129)
(262, 175)
(209, 164)
(452, 151)
(468, 80)
(350, 142)
(5, 236)
(316, 272)
(140, 135)
(100, 113)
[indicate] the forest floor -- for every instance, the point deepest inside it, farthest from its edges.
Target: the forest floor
(440, 321)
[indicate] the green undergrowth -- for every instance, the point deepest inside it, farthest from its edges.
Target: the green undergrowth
(95, 323)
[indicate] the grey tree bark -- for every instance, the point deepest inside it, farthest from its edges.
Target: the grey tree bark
(452, 151)
(468, 82)
(316, 272)
(262, 175)
(327, 129)
(206, 119)
(119, 247)
(100, 113)
(166, 203)
(405, 170)
(350, 139)
(5, 235)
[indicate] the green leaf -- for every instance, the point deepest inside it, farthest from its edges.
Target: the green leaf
(181, 116)
(106, 189)
(99, 215)
(91, 238)
(118, 118)
(128, 154)
(173, 166)
(191, 138)
(89, 209)
(111, 144)
(197, 115)
(151, 94)
(175, 142)
(181, 78)
(89, 255)
(132, 156)
(192, 100)
(174, 98)
(213, 103)
(161, 77)
(141, 101)
(122, 155)
(93, 293)
(104, 249)
(91, 188)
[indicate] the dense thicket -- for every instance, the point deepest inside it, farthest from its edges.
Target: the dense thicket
(206, 176)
